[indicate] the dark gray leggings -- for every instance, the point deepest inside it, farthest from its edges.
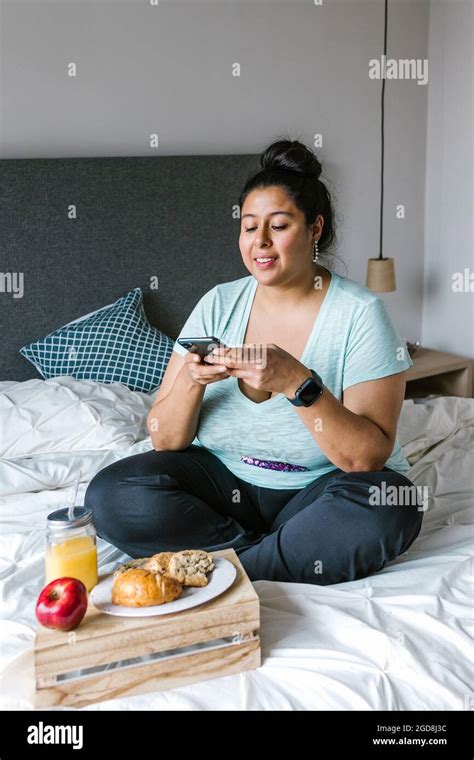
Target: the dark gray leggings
(327, 532)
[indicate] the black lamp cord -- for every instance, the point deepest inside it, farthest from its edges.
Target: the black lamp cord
(382, 133)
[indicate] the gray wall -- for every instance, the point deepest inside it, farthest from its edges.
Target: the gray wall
(448, 317)
(168, 69)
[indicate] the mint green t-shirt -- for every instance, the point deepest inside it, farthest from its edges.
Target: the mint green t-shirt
(353, 340)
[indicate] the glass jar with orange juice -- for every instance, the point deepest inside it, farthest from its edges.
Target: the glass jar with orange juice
(71, 546)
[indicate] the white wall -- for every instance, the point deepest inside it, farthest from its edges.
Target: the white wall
(448, 317)
(304, 70)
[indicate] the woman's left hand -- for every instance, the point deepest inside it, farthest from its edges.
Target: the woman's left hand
(263, 367)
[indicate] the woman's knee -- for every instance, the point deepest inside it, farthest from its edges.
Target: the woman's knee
(100, 497)
(397, 508)
(134, 469)
(373, 520)
(388, 496)
(394, 512)
(130, 485)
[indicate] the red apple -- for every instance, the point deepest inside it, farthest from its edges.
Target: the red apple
(62, 604)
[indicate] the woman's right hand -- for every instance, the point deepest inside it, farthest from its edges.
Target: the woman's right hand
(201, 373)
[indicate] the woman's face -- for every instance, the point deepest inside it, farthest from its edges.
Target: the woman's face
(273, 227)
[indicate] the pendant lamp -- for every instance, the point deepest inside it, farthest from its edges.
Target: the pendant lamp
(381, 271)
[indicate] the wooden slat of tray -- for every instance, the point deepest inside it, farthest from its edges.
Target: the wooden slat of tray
(102, 638)
(159, 676)
(122, 645)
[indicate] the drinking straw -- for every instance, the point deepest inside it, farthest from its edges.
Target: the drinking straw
(70, 513)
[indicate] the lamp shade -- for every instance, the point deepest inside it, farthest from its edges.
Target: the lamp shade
(381, 275)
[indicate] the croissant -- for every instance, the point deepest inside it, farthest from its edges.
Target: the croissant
(138, 587)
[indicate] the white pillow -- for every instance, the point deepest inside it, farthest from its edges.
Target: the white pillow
(65, 414)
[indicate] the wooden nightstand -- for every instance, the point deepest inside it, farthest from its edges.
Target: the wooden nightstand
(439, 373)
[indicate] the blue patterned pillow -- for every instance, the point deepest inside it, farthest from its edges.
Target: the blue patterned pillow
(115, 344)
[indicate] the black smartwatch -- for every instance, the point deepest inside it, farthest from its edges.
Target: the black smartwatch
(309, 391)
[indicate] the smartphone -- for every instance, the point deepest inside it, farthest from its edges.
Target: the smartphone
(201, 346)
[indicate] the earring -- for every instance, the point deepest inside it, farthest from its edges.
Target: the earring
(315, 252)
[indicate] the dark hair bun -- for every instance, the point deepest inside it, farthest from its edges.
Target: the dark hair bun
(291, 155)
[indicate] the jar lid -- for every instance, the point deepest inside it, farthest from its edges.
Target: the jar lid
(60, 518)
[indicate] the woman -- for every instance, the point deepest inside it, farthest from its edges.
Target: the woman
(290, 477)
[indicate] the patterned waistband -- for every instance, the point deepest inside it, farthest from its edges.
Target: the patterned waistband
(273, 465)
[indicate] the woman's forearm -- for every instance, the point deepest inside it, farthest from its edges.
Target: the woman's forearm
(351, 442)
(172, 422)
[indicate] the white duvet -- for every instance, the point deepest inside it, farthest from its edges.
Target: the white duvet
(398, 640)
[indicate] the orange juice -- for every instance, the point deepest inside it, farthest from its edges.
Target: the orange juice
(74, 558)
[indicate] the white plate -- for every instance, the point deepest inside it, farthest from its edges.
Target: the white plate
(220, 579)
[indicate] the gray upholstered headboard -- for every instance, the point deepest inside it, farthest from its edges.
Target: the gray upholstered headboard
(169, 217)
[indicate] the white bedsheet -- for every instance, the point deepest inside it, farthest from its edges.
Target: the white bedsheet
(398, 640)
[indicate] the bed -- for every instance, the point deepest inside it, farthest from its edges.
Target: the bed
(397, 640)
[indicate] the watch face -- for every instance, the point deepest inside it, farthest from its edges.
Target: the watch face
(310, 391)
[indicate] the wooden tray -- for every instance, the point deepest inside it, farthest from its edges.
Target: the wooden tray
(108, 657)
